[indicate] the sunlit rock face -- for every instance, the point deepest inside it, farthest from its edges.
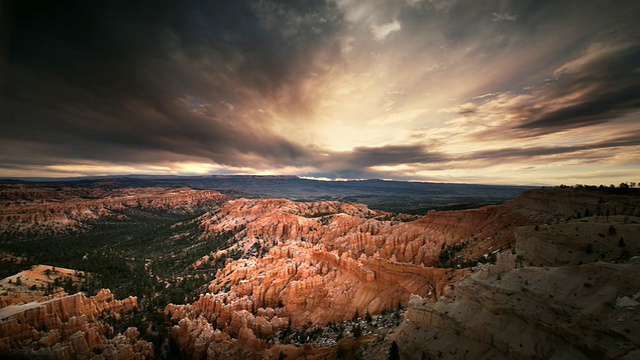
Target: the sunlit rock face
(38, 211)
(293, 265)
(70, 327)
(356, 230)
(316, 263)
(32, 284)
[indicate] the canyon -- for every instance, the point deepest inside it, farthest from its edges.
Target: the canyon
(269, 275)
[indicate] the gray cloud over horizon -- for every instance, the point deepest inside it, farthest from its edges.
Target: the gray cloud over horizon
(408, 89)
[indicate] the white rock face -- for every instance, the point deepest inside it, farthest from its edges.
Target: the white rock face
(628, 301)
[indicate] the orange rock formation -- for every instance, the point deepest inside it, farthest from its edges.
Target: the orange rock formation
(321, 262)
(66, 327)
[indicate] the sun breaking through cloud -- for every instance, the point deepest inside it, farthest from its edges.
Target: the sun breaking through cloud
(515, 92)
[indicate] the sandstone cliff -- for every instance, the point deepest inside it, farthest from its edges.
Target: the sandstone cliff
(32, 284)
(71, 326)
(356, 230)
(572, 312)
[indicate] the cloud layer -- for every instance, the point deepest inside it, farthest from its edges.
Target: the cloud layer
(493, 92)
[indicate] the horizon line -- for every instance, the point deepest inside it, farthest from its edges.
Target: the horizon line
(301, 177)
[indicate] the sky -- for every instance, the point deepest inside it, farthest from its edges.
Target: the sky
(493, 92)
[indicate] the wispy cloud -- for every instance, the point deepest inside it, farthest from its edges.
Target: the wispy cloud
(380, 32)
(599, 86)
(504, 16)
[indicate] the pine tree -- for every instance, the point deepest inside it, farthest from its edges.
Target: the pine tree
(368, 317)
(357, 331)
(394, 352)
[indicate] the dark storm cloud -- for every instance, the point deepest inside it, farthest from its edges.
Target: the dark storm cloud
(391, 155)
(359, 160)
(157, 81)
(606, 87)
(504, 154)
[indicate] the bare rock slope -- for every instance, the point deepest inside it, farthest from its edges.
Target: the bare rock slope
(569, 305)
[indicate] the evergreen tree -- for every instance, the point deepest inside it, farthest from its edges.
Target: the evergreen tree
(394, 352)
(357, 331)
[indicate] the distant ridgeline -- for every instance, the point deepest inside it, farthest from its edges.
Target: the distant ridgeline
(631, 188)
(391, 196)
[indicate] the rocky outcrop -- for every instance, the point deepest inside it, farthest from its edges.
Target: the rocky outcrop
(38, 210)
(292, 219)
(300, 283)
(556, 298)
(70, 326)
(571, 312)
(293, 285)
(32, 284)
